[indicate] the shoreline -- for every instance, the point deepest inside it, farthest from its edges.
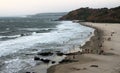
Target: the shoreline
(73, 50)
(76, 50)
(95, 41)
(105, 62)
(88, 44)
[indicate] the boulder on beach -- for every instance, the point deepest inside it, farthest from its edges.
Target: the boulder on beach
(29, 72)
(45, 53)
(71, 54)
(36, 58)
(41, 59)
(94, 66)
(45, 60)
(53, 62)
(67, 61)
(60, 54)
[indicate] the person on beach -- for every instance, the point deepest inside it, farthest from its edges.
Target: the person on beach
(101, 52)
(73, 56)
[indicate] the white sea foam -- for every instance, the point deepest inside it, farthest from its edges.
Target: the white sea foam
(14, 65)
(65, 32)
(14, 36)
(5, 31)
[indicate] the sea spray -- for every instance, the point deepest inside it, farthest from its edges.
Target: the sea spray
(62, 35)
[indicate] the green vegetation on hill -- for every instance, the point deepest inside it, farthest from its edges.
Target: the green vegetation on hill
(94, 15)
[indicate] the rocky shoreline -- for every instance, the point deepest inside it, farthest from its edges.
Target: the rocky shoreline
(92, 46)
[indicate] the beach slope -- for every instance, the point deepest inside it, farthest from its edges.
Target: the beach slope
(107, 62)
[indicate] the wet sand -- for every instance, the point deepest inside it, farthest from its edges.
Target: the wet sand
(108, 61)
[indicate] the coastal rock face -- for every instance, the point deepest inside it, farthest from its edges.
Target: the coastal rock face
(94, 15)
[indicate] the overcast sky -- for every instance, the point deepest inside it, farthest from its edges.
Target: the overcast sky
(26, 7)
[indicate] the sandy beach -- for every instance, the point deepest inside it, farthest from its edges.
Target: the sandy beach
(108, 61)
(57, 36)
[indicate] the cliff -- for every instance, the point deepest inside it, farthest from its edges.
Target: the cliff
(94, 15)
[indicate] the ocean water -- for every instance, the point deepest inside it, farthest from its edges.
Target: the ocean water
(28, 35)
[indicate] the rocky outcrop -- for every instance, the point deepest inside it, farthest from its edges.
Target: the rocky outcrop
(94, 15)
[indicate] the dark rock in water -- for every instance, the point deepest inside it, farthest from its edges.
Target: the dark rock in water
(28, 72)
(45, 53)
(60, 54)
(25, 34)
(71, 54)
(57, 51)
(45, 60)
(30, 54)
(94, 66)
(53, 62)
(36, 58)
(22, 35)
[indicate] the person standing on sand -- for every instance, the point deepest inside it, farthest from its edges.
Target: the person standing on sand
(73, 56)
(101, 52)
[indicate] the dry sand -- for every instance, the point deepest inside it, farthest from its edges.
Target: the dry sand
(109, 62)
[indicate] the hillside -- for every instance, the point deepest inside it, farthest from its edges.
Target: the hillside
(94, 15)
(48, 15)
